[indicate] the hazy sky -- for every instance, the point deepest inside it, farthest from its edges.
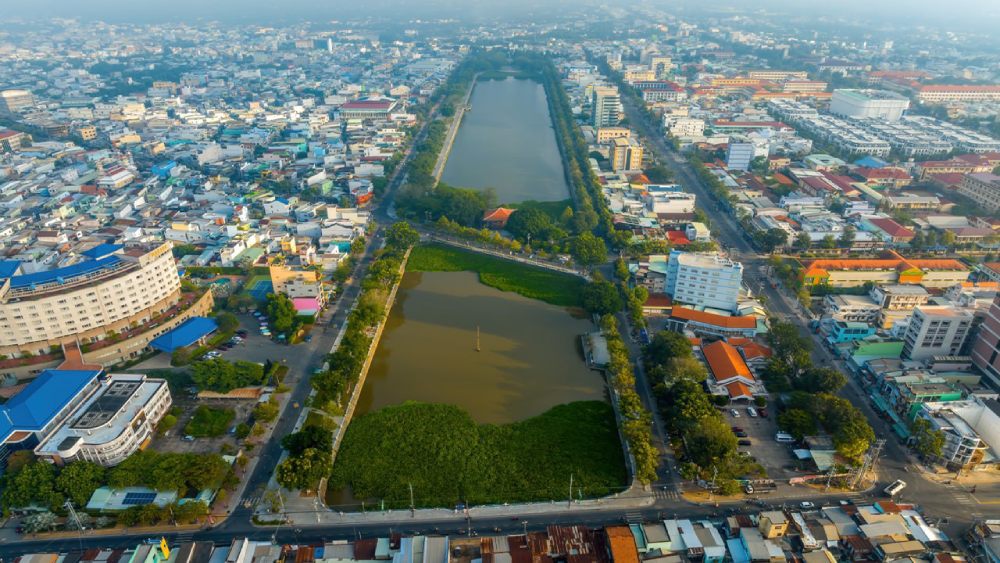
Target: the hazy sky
(932, 12)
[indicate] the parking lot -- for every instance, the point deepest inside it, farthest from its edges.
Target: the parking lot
(775, 457)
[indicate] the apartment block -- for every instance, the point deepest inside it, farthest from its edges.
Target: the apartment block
(936, 331)
(704, 280)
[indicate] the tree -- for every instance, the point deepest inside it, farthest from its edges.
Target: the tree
(667, 344)
(266, 412)
(227, 322)
(948, 238)
(828, 242)
(530, 224)
(281, 313)
(770, 239)
(847, 237)
(797, 422)
(39, 522)
(310, 437)
(34, 484)
(621, 270)
(304, 472)
(853, 438)
(927, 441)
(589, 250)
(821, 380)
(601, 297)
(715, 442)
(659, 174)
(79, 480)
(802, 241)
(401, 236)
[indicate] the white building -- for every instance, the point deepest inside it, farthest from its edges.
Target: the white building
(739, 156)
(868, 104)
(703, 280)
(113, 422)
(670, 203)
(936, 331)
(971, 429)
(607, 106)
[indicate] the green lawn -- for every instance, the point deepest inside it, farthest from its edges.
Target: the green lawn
(448, 458)
(208, 422)
(545, 285)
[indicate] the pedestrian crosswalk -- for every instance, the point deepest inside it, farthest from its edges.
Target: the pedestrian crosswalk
(251, 501)
(633, 517)
(666, 494)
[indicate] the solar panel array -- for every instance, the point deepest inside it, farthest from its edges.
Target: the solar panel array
(135, 499)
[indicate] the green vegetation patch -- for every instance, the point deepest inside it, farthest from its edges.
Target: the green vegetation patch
(208, 422)
(450, 459)
(545, 285)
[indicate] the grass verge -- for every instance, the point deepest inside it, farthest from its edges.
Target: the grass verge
(449, 459)
(536, 283)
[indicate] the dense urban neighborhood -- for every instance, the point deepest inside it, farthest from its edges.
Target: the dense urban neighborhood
(622, 283)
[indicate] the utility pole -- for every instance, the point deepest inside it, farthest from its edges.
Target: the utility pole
(569, 503)
(711, 489)
(829, 477)
(413, 512)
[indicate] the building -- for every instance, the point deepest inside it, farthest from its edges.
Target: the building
(892, 269)
(851, 308)
(368, 108)
(731, 376)
(686, 127)
(607, 106)
(739, 156)
(607, 134)
(938, 93)
(12, 141)
(44, 404)
(971, 430)
(295, 281)
(869, 104)
(702, 323)
(116, 419)
(986, 348)
(778, 75)
(982, 188)
(13, 101)
(626, 154)
(109, 288)
(704, 280)
(772, 524)
(936, 331)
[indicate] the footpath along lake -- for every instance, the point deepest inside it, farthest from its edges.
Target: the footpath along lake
(507, 142)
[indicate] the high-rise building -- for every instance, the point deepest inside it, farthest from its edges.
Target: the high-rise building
(607, 106)
(739, 156)
(986, 349)
(703, 280)
(936, 331)
(626, 154)
(869, 104)
(12, 101)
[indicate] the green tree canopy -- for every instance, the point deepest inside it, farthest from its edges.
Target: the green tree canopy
(601, 297)
(589, 250)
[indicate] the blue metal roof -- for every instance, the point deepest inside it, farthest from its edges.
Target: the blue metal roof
(64, 274)
(8, 267)
(39, 402)
(101, 250)
(185, 335)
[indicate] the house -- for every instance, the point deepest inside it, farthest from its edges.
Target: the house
(890, 229)
(772, 524)
(497, 218)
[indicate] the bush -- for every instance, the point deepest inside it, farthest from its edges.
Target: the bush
(208, 422)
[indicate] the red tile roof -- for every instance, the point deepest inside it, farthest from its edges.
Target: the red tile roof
(892, 228)
(725, 361)
(683, 313)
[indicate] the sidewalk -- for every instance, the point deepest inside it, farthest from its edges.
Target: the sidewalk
(629, 500)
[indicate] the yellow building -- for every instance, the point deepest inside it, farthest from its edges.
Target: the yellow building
(626, 154)
(605, 134)
(772, 524)
(87, 132)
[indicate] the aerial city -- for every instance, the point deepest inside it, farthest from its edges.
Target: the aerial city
(499, 282)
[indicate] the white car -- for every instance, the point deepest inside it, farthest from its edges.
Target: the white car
(807, 504)
(752, 412)
(736, 413)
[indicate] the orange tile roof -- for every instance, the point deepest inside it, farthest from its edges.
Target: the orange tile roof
(622, 544)
(754, 350)
(500, 214)
(738, 389)
(723, 321)
(725, 361)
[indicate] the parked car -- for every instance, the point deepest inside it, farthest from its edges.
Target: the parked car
(762, 412)
(735, 413)
(752, 412)
(188, 438)
(741, 434)
(744, 442)
(807, 504)
(736, 429)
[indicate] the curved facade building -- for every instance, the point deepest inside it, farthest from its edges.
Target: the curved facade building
(111, 289)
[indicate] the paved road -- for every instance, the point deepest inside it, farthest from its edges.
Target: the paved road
(940, 500)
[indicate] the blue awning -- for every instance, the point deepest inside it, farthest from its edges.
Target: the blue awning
(186, 334)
